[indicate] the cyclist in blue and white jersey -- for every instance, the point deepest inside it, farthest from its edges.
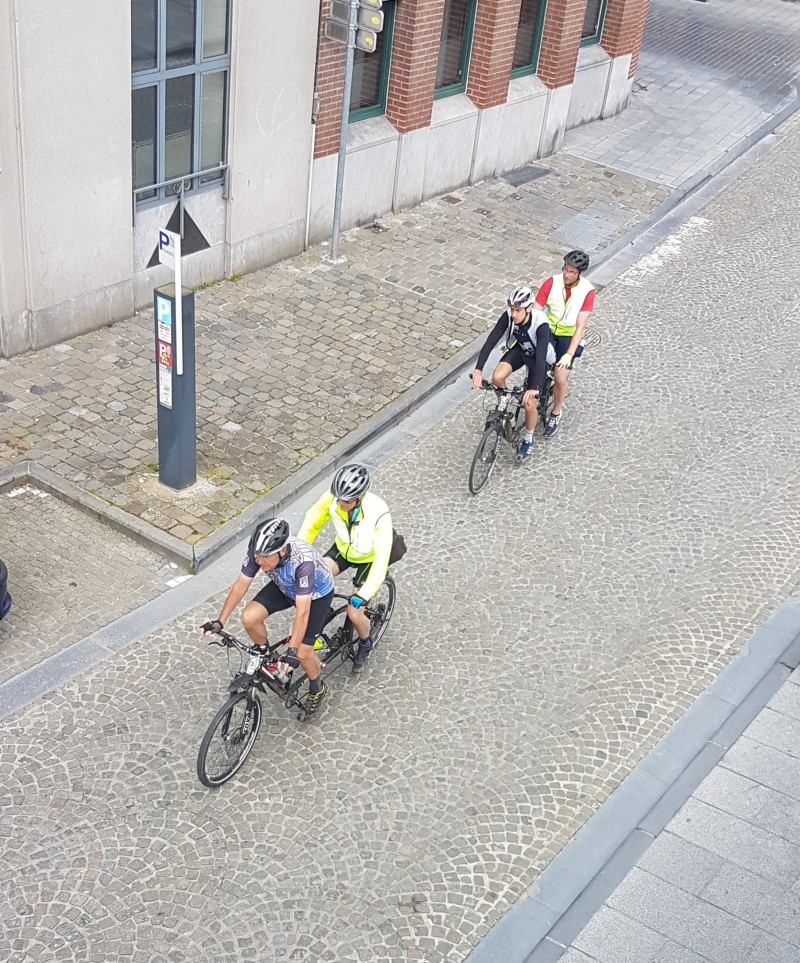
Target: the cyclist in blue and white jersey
(298, 576)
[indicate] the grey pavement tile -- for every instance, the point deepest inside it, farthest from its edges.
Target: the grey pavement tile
(611, 937)
(763, 764)
(736, 794)
(770, 949)
(684, 918)
(787, 700)
(780, 815)
(674, 953)
(736, 840)
(768, 905)
(776, 730)
(680, 863)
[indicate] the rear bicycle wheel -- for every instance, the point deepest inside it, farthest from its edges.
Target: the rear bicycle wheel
(228, 740)
(380, 608)
(484, 458)
(546, 402)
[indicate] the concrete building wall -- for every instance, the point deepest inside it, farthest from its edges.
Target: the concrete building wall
(262, 219)
(70, 180)
(74, 254)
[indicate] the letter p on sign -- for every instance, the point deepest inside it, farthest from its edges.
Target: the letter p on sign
(168, 247)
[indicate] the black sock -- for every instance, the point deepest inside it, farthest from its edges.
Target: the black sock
(366, 643)
(314, 685)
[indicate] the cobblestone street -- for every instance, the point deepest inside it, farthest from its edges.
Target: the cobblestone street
(547, 633)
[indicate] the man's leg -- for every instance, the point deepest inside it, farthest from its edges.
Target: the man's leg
(501, 373)
(254, 617)
(560, 385)
(561, 376)
(309, 662)
(317, 689)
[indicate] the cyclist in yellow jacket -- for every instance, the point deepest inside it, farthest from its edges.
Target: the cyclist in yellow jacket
(363, 527)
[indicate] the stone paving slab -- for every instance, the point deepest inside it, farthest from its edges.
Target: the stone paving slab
(68, 575)
(547, 635)
(708, 74)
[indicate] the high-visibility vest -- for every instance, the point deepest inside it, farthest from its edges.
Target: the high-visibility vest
(562, 313)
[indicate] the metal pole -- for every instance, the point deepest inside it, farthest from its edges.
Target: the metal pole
(348, 86)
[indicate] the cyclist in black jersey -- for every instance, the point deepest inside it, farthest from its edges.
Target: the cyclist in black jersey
(526, 344)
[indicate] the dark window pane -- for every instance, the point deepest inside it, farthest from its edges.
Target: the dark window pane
(143, 103)
(212, 120)
(144, 34)
(367, 69)
(215, 28)
(452, 61)
(180, 32)
(591, 20)
(527, 33)
(178, 126)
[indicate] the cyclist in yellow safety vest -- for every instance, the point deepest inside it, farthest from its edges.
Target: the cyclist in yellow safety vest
(567, 300)
(363, 527)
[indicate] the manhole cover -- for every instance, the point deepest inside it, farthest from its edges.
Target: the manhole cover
(452, 199)
(523, 175)
(591, 227)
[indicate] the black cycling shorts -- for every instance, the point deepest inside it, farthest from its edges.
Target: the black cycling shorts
(274, 601)
(361, 568)
(516, 358)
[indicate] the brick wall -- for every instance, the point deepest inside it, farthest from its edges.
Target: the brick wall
(623, 29)
(561, 39)
(492, 51)
(329, 86)
(415, 54)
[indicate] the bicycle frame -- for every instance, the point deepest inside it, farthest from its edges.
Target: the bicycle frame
(252, 678)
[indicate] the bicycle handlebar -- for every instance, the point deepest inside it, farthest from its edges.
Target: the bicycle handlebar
(514, 392)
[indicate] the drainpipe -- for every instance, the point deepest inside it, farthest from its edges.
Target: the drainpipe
(314, 115)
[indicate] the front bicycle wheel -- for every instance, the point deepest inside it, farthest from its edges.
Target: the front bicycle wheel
(228, 740)
(380, 608)
(484, 459)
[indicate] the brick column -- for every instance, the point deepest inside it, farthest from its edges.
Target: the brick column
(561, 40)
(329, 88)
(415, 54)
(623, 29)
(493, 43)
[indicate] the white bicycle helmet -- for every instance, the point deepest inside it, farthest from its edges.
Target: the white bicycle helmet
(521, 297)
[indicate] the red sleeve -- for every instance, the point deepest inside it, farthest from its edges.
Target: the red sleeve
(544, 292)
(588, 302)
